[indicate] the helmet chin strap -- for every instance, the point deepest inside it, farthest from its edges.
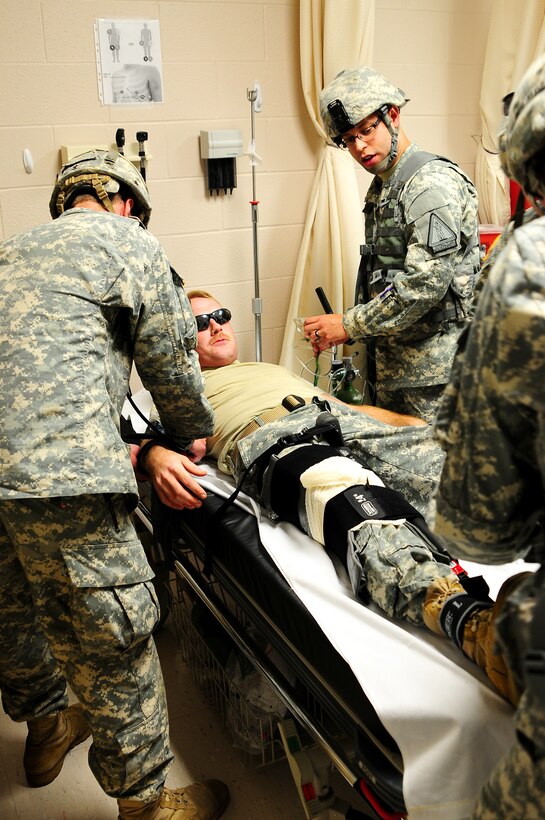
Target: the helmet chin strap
(388, 161)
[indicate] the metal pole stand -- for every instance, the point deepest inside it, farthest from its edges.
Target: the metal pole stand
(254, 202)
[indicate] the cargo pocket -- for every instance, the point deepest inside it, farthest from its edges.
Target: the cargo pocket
(112, 601)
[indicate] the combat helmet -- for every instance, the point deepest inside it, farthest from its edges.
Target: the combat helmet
(355, 94)
(103, 171)
(522, 134)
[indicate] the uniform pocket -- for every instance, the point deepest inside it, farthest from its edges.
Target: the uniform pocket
(113, 602)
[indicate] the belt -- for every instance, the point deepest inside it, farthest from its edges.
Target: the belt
(264, 418)
(290, 403)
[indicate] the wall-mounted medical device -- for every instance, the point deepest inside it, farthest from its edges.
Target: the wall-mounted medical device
(220, 149)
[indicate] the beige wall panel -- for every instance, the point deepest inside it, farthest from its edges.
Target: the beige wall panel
(282, 31)
(208, 31)
(205, 258)
(41, 144)
(293, 145)
(282, 199)
(49, 94)
(278, 250)
(180, 206)
(21, 32)
(22, 208)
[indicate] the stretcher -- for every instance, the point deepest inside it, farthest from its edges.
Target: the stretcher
(413, 726)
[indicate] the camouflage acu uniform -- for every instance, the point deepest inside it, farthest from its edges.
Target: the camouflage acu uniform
(419, 268)
(80, 298)
(491, 423)
(389, 562)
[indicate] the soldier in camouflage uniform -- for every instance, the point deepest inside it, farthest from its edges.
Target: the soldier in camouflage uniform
(420, 259)
(389, 558)
(491, 423)
(82, 297)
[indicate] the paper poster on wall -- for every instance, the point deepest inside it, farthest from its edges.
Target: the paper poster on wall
(129, 65)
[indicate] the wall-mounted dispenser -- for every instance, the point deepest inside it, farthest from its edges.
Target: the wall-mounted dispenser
(219, 149)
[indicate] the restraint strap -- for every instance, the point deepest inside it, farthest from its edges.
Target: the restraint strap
(362, 503)
(455, 613)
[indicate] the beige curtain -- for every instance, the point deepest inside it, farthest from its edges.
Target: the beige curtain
(333, 35)
(516, 37)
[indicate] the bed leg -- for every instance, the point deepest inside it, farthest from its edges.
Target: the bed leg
(310, 769)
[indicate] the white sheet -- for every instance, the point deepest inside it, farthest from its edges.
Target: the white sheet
(450, 726)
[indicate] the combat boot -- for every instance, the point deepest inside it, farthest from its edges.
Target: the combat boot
(48, 742)
(470, 624)
(199, 801)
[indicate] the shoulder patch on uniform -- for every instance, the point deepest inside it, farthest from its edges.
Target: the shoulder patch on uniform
(440, 236)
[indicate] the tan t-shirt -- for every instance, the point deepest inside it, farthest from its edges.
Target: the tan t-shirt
(240, 391)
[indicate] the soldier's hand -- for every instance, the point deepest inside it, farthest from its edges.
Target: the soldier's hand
(325, 331)
(172, 477)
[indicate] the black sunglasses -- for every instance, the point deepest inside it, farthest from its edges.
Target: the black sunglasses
(221, 316)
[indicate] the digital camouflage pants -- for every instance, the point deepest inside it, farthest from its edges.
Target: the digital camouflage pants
(77, 605)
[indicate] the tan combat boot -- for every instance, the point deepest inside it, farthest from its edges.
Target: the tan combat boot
(200, 801)
(449, 610)
(48, 742)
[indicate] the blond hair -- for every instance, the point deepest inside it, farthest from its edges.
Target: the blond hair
(200, 294)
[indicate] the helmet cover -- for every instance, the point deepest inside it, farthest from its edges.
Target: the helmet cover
(103, 171)
(353, 95)
(522, 133)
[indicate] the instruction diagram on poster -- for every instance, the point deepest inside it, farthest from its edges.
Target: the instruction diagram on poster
(129, 67)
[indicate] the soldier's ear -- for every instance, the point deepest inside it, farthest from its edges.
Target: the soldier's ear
(394, 115)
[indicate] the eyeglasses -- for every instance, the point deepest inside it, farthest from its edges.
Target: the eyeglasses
(220, 316)
(363, 134)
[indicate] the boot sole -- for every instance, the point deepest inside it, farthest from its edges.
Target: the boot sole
(45, 778)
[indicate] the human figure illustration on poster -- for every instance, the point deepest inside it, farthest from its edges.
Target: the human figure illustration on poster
(145, 42)
(115, 41)
(130, 44)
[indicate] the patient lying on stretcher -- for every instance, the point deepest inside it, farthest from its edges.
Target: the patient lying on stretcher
(361, 486)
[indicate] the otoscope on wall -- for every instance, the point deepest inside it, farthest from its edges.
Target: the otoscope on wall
(141, 137)
(120, 139)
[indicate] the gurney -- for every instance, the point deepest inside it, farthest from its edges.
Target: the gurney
(412, 726)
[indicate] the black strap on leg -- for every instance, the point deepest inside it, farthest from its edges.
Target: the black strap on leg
(455, 613)
(326, 429)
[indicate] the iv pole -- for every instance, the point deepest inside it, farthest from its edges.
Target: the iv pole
(255, 105)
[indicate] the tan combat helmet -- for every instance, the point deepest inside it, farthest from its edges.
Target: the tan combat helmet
(355, 94)
(103, 171)
(522, 134)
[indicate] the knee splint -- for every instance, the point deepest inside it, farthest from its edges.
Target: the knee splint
(350, 495)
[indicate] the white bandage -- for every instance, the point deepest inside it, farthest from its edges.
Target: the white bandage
(327, 479)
